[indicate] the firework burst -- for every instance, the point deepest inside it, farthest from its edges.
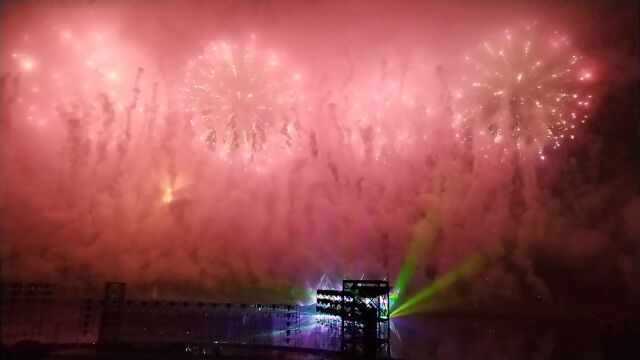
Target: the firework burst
(240, 99)
(527, 87)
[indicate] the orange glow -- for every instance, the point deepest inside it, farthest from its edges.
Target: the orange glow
(167, 197)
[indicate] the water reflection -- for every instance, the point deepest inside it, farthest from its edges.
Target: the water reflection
(456, 338)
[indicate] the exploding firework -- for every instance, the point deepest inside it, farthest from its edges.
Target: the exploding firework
(527, 87)
(241, 99)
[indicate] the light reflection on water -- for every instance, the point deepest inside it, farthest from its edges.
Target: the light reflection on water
(511, 338)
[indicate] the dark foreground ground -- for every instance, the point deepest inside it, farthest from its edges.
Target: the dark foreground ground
(535, 337)
(31, 350)
(420, 337)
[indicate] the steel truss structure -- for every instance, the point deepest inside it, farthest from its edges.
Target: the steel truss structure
(33, 311)
(363, 306)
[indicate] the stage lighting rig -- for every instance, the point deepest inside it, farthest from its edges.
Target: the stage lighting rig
(363, 307)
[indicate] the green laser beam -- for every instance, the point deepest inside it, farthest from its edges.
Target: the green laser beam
(467, 267)
(423, 234)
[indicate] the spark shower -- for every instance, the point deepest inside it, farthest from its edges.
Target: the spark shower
(175, 148)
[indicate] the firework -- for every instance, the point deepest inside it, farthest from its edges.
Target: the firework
(240, 99)
(527, 86)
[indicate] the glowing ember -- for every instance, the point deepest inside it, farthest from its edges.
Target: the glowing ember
(27, 65)
(240, 99)
(168, 195)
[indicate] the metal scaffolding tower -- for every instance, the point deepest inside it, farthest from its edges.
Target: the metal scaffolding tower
(363, 306)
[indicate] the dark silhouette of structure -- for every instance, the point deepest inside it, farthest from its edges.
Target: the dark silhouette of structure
(44, 319)
(363, 306)
(111, 318)
(33, 312)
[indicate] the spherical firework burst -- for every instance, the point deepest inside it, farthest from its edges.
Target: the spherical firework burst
(241, 100)
(527, 86)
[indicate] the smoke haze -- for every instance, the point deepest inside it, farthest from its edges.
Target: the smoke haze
(107, 175)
